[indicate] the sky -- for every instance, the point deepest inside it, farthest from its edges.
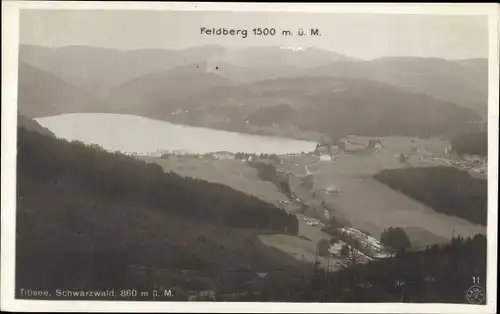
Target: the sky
(362, 36)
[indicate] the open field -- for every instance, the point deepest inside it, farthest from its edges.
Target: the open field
(302, 247)
(370, 205)
(233, 173)
(447, 190)
(242, 177)
(361, 201)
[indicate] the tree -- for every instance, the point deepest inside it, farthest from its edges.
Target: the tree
(402, 158)
(470, 143)
(351, 253)
(274, 158)
(395, 238)
(344, 250)
(322, 247)
(354, 254)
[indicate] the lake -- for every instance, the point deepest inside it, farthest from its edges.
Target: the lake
(135, 134)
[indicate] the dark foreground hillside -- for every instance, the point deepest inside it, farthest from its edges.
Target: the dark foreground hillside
(65, 240)
(102, 175)
(88, 219)
(445, 189)
(434, 275)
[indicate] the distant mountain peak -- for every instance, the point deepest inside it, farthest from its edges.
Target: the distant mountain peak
(295, 48)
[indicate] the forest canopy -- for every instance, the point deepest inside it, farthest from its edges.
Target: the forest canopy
(106, 175)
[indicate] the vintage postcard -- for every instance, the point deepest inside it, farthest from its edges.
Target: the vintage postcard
(217, 157)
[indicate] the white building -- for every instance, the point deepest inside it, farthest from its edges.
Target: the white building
(223, 155)
(331, 189)
(325, 157)
(311, 221)
(335, 248)
(447, 150)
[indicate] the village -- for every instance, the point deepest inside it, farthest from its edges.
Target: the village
(312, 188)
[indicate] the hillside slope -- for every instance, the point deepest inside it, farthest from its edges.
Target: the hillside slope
(41, 93)
(287, 92)
(463, 82)
(447, 190)
(31, 125)
(72, 235)
(333, 106)
(88, 219)
(167, 86)
(98, 70)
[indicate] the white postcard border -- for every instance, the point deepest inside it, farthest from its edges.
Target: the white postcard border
(10, 46)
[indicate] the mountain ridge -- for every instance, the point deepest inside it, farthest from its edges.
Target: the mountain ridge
(205, 92)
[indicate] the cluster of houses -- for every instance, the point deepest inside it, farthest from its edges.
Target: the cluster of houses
(311, 221)
(158, 153)
(363, 238)
(472, 163)
(144, 154)
(308, 220)
(223, 156)
(331, 189)
(326, 152)
(336, 248)
(369, 249)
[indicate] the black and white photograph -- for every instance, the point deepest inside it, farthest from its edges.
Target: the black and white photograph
(267, 157)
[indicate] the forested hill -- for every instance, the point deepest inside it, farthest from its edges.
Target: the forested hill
(445, 189)
(432, 275)
(387, 97)
(475, 143)
(89, 219)
(119, 222)
(104, 175)
(32, 125)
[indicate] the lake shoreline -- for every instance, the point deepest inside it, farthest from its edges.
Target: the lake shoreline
(132, 133)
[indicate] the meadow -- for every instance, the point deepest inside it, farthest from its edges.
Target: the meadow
(362, 202)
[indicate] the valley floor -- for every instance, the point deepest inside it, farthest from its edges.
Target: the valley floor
(361, 201)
